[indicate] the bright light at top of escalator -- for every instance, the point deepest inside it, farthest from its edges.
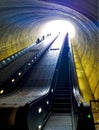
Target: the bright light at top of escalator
(59, 26)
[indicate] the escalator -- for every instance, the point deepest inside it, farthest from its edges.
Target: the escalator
(66, 114)
(61, 117)
(62, 100)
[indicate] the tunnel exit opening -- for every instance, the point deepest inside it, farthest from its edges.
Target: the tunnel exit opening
(61, 26)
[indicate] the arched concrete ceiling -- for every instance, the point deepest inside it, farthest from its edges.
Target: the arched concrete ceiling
(89, 8)
(22, 21)
(86, 7)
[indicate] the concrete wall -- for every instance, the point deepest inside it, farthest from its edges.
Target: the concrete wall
(85, 50)
(15, 38)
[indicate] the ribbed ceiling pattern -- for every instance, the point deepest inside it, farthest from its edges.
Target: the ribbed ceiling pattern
(28, 9)
(87, 7)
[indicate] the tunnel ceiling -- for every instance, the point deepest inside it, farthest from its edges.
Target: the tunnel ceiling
(26, 10)
(87, 7)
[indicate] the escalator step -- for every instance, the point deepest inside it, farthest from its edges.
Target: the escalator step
(62, 99)
(62, 105)
(63, 87)
(62, 95)
(58, 110)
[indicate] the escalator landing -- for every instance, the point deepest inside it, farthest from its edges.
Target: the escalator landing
(59, 121)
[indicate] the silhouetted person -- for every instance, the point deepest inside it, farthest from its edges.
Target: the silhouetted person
(38, 40)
